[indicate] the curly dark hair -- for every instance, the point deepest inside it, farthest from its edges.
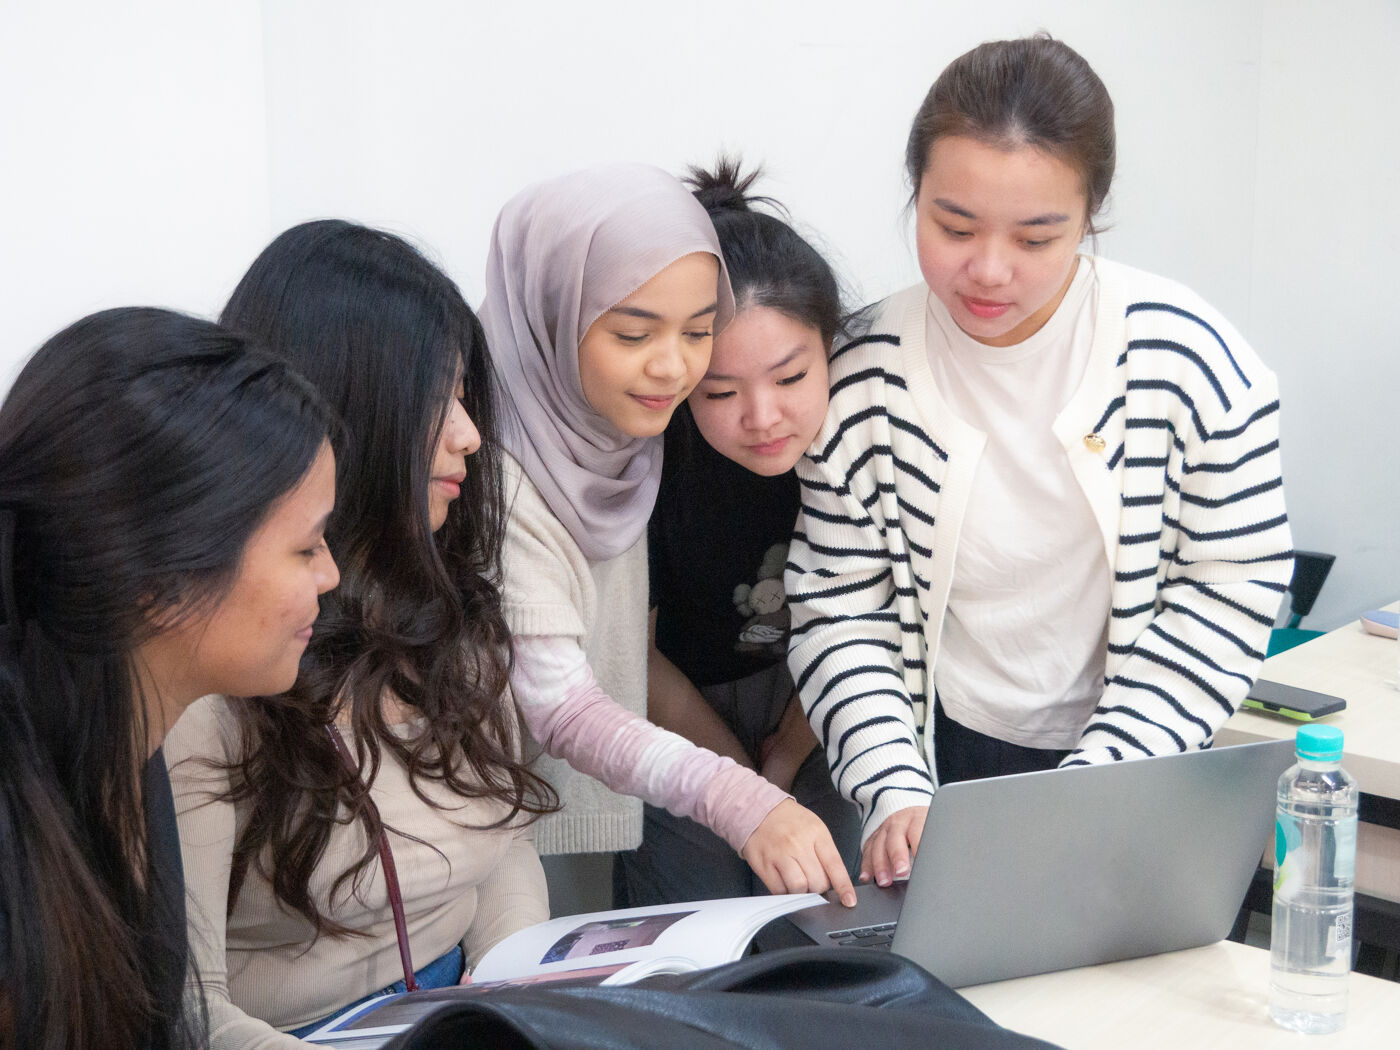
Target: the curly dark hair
(383, 334)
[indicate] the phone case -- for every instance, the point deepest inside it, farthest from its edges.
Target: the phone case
(1291, 701)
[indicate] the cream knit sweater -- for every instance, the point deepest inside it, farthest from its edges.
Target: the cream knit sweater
(580, 680)
(551, 590)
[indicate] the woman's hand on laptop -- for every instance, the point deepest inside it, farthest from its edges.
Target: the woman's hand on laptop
(889, 853)
(792, 852)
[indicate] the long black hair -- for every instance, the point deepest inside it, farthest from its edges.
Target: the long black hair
(139, 451)
(382, 333)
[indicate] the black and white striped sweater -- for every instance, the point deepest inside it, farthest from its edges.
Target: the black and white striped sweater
(1173, 437)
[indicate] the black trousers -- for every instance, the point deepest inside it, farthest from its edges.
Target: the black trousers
(961, 753)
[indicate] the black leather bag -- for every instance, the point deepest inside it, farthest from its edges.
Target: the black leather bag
(797, 997)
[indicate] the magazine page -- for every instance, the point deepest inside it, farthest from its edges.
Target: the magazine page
(611, 947)
(696, 934)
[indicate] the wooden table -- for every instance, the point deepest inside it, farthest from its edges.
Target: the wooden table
(1199, 999)
(1360, 668)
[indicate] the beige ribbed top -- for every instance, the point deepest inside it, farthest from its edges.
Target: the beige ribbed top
(260, 969)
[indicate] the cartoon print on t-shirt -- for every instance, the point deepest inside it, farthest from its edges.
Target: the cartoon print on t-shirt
(765, 604)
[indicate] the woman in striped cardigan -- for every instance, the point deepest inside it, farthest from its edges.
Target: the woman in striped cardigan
(1043, 522)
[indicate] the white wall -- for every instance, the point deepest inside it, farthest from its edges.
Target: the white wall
(133, 160)
(154, 151)
(429, 117)
(1326, 273)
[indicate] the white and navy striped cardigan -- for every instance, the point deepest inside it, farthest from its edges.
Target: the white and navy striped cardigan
(1172, 435)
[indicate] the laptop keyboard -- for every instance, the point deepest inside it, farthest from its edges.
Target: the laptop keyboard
(880, 936)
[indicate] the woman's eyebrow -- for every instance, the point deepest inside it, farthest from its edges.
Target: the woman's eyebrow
(647, 315)
(1050, 218)
(635, 311)
(956, 209)
(781, 364)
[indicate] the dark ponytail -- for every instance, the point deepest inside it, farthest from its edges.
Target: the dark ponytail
(770, 264)
(726, 187)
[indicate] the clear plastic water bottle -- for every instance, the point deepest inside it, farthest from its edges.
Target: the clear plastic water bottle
(1314, 879)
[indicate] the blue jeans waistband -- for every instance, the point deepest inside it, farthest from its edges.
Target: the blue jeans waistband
(443, 972)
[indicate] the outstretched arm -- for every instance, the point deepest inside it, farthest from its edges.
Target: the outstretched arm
(568, 713)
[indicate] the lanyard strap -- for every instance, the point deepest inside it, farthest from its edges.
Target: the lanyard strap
(386, 860)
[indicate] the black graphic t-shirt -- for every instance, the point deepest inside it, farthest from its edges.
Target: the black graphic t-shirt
(717, 544)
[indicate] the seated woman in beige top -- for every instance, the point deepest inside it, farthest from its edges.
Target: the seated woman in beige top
(289, 912)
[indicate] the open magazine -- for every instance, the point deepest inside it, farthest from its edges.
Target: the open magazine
(605, 947)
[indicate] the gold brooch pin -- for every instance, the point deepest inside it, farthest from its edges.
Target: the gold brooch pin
(1094, 443)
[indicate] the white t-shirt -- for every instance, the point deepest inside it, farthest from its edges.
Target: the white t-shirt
(1023, 645)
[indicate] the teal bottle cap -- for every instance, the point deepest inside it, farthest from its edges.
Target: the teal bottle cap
(1323, 743)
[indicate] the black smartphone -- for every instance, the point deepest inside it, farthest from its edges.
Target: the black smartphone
(1290, 701)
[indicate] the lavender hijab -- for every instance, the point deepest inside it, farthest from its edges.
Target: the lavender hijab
(563, 253)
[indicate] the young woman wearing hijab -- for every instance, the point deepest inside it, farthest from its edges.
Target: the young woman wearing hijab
(399, 721)
(1043, 523)
(717, 543)
(603, 290)
(163, 493)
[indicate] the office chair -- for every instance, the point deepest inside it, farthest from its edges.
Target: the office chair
(1310, 569)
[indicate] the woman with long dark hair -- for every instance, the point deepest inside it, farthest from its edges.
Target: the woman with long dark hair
(398, 736)
(163, 494)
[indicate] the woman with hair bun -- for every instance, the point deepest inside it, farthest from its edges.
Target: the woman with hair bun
(718, 537)
(164, 489)
(1043, 522)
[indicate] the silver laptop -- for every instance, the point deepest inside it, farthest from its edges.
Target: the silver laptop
(1072, 867)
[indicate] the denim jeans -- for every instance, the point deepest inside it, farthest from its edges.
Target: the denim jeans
(443, 972)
